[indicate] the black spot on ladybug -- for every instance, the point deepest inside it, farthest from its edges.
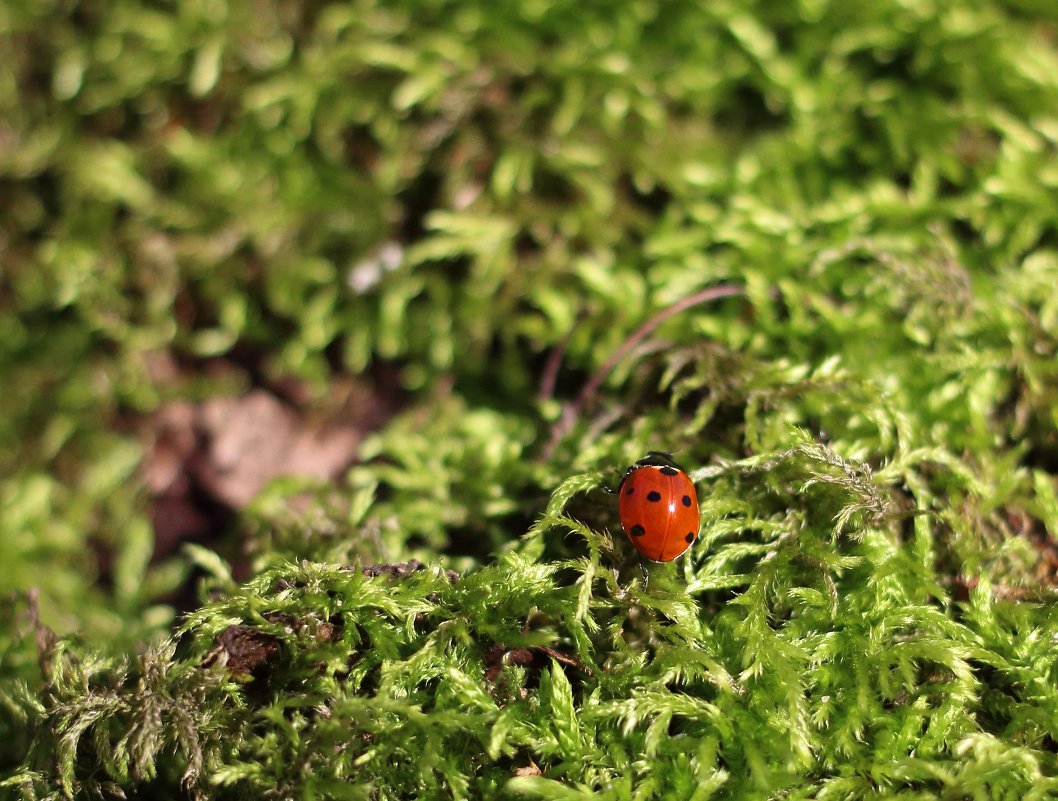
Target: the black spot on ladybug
(654, 496)
(630, 490)
(686, 500)
(690, 537)
(637, 531)
(669, 471)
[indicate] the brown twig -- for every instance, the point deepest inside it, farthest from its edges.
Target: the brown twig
(549, 377)
(571, 411)
(46, 639)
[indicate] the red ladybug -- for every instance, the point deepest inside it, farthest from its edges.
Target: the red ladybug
(658, 507)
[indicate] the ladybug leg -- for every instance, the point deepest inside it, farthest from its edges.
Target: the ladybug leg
(617, 491)
(646, 573)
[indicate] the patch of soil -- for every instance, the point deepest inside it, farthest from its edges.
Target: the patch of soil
(206, 460)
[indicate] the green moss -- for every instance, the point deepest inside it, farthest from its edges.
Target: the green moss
(450, 192)
(781, 658)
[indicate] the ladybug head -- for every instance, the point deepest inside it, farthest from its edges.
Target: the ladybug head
(654, 459)
(658, 458)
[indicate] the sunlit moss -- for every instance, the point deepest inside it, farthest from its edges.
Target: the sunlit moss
(451, 191)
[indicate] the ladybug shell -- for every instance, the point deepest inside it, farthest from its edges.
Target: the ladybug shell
(659, 510)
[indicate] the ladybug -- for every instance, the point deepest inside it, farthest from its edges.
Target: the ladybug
(658, 507)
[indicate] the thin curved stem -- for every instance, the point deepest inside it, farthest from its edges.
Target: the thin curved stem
(572, 410)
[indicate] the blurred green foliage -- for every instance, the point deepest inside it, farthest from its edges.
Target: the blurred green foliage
(453, 189)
